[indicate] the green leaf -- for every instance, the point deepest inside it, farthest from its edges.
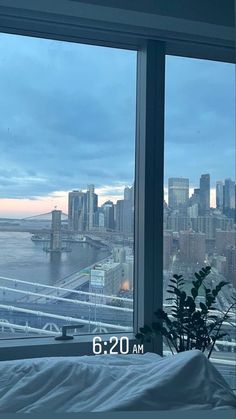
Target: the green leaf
(174, 281)
(202, 274)
(177, 276)
(194, 292)
(175, 309)
(223, 283)
(203, 307)
(178, 292)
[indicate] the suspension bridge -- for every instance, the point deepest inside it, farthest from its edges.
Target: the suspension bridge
(35, 224)
(47, 216)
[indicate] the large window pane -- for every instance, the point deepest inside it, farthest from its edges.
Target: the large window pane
(67, 138)
(199, 208)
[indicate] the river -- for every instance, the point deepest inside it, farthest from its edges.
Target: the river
(22, 258)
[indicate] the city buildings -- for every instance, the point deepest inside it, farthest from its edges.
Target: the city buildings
(224, 239)
(84, 214)
(192, 247)
(231, 264)
(82, 207)
(106, 278)
(167, 249)
(195, 233)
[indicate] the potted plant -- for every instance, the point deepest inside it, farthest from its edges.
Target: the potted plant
(187, 325)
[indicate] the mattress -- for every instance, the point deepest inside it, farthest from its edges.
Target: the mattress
(145, 382)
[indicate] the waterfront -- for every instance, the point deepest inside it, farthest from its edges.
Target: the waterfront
(24, 259)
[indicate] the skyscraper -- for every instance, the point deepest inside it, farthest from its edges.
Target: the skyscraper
(178, 193)
(229, 198)
(127, 193)
(91, 207)
(108, 210)
(120, 215)
(219, 194)
(125, 212)
(204, 194)
(195, 198)
(194, 201)
(76, 211)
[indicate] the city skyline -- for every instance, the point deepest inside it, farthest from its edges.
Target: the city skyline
(60, 200)
(62, 129)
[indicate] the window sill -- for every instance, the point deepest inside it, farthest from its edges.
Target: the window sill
(21, 348)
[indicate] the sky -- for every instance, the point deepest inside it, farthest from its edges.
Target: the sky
(67, 119)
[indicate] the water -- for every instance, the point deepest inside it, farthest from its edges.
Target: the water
(24, 259)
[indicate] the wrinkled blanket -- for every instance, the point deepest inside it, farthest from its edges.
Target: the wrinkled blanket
(113, 383)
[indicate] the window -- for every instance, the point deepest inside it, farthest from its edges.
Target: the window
(67, 140)
(199, 187)
(84, 203)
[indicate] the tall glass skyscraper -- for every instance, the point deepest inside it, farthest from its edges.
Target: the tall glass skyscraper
(204, 194)
(229, 198)
(76, 211)
(219, 194)
(229, 194)
(178, 192)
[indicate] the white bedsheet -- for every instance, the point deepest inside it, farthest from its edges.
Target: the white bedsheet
(113, 382)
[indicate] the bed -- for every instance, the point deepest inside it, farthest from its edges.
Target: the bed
(113, 383)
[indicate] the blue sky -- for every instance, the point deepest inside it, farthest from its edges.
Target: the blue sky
(68, 120)
(200, 119)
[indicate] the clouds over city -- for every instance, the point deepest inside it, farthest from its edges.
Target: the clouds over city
(68, 118)
(200, 119)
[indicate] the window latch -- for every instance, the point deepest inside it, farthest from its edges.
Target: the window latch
(64, 336)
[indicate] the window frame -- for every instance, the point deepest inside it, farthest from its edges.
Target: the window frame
(149, 155)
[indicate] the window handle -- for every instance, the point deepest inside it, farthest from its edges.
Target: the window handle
(64, 336)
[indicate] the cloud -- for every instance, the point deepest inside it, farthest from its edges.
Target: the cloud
(68, 118)
(200, 119)
(68, 115)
